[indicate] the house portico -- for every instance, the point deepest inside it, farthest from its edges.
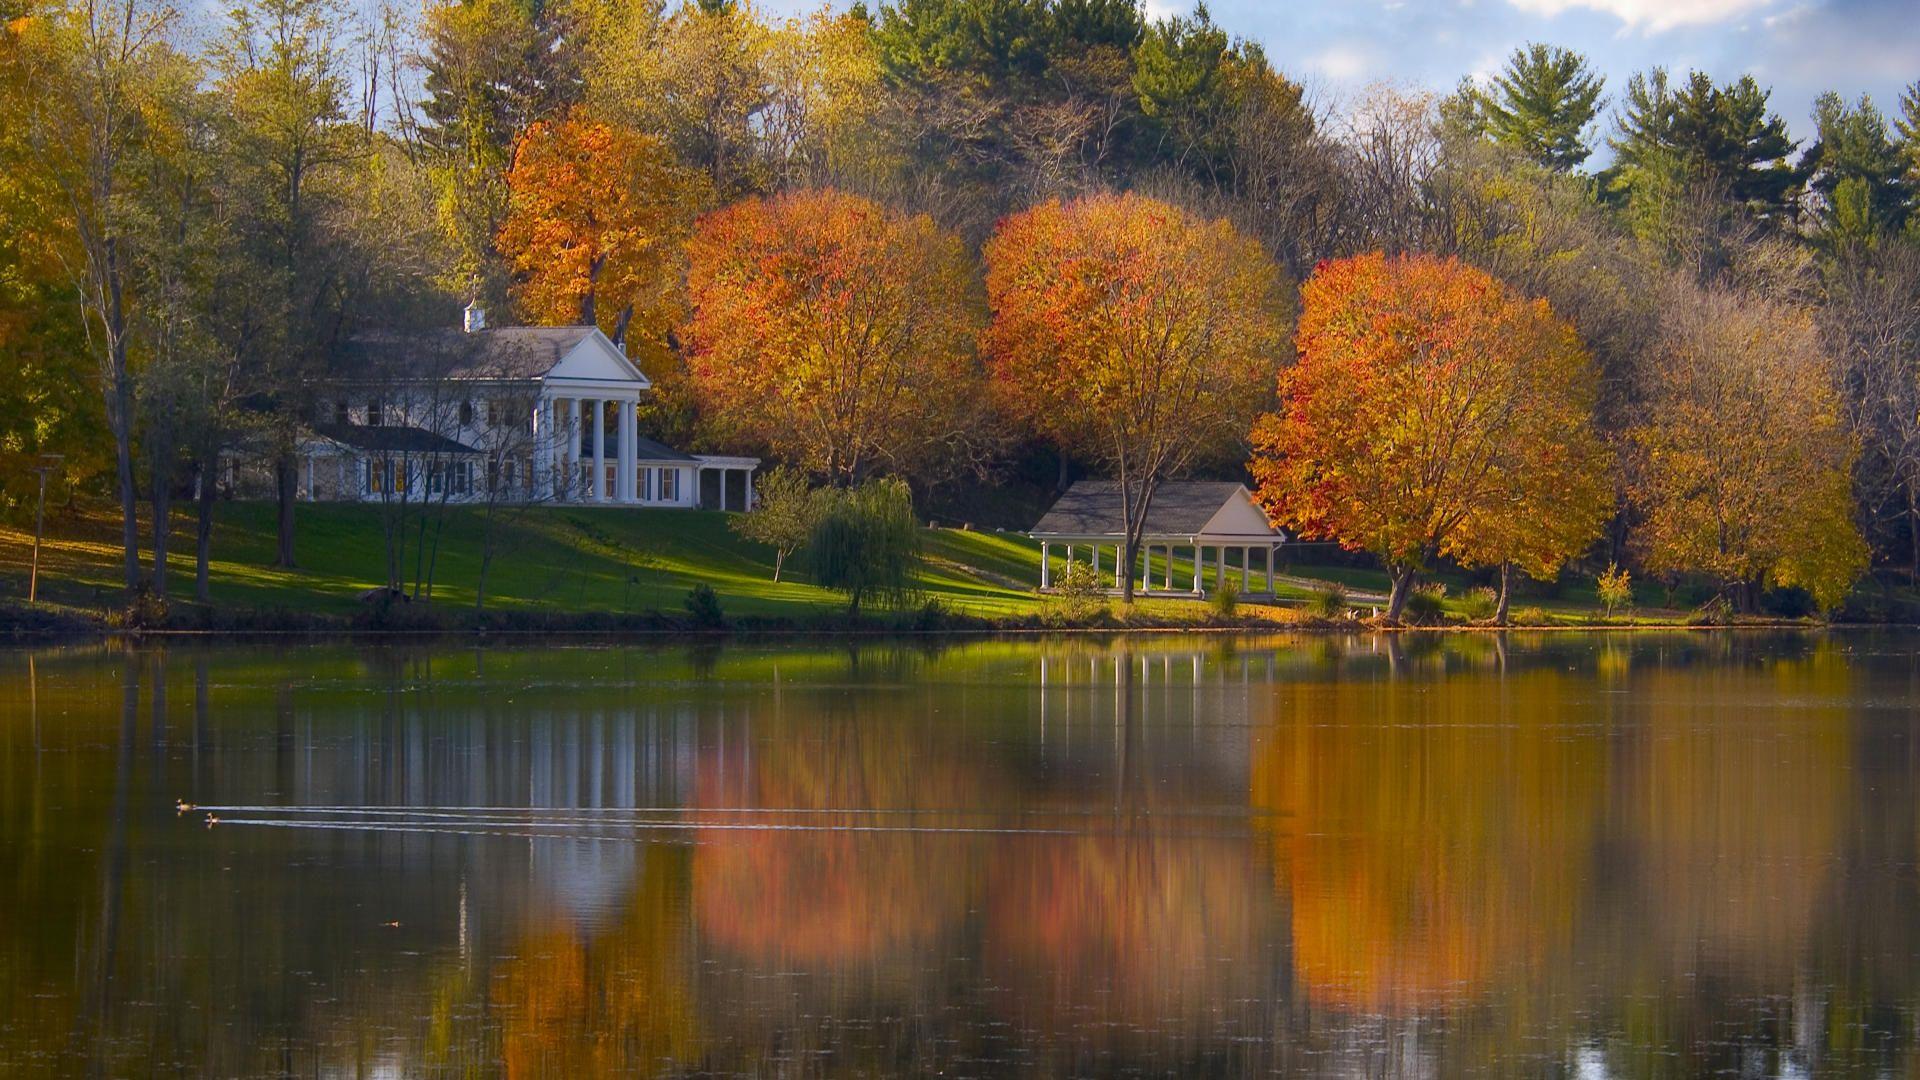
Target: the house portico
(515, 414)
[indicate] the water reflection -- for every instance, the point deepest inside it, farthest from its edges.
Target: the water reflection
(1392, 856)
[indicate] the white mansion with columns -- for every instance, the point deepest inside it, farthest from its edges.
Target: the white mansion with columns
(515, 414)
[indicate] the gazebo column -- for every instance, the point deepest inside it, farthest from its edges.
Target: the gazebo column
(1270, 551)
(1046, 568)
(1169, 567)
(1146, 570)
(1121, 570)
(1199, 569)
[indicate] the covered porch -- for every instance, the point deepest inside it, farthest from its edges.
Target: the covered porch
(1198, 536)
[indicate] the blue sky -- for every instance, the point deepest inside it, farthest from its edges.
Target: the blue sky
(1797, 47)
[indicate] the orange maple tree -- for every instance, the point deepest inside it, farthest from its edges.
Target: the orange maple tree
(833, 331)
(1434, 412)
(596, 222)
(1133, 333)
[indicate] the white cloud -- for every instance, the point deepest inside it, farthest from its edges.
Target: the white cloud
(1652, 16)
(1345, 63)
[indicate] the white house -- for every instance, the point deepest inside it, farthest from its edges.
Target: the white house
(515, 414)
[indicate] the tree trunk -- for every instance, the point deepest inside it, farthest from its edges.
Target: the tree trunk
(162, 499)
(120, 420)
(203, 531)
(1913, 534)
(779, 561)
(1402, 588)
(286, 476)
(1129, 551)
(1506, 592)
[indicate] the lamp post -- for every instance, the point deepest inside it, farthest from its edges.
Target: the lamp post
(48, 463)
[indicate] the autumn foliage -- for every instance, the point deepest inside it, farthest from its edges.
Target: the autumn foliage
(834, 332)
(1131, 333)
(1743, 468)
(595, 228)
(1434, 413)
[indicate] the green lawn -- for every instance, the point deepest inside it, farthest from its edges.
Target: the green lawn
(548, 558)
(611, 561)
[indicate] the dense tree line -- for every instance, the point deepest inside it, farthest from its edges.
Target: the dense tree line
(888, 241)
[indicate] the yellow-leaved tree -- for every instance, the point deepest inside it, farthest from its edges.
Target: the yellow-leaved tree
(1742, 468)
(597, 218)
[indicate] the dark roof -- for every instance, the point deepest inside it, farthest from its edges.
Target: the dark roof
(389, 439)
(1092, 508)
(646, 449)
(508, 352)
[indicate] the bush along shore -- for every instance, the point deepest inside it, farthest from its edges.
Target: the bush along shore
(613, 573)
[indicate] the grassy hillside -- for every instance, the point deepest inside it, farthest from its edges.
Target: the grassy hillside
(569, 560)
(549, 558)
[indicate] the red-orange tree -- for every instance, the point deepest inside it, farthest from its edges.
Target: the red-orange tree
(1434, 412)
(596, 220)
(833, 331)
(1132, 333)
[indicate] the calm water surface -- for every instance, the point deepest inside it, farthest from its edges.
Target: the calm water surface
(1588, 856)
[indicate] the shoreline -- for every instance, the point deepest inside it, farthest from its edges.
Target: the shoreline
(78, 631)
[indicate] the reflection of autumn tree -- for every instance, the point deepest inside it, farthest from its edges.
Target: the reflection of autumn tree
(1737, 834)
(1430, 858)
(1148, 927)
(823, 896)
(574, 1005)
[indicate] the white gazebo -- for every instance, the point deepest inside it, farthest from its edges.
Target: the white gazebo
(1204, 518)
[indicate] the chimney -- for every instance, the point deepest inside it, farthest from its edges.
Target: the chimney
(476, 318)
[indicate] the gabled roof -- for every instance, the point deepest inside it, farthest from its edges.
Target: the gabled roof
(1188, 508)
(646, 449)
(508, 352)
(391, 439)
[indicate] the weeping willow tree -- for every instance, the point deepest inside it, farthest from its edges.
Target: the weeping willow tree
(866, 543)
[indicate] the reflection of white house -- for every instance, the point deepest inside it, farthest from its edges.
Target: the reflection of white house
(1195, 517)
(518, 414)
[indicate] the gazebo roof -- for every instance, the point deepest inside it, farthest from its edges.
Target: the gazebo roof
(1216, 509)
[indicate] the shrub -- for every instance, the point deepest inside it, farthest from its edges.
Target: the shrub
(1480, 604)
(703, 604)
(1530, 616)
(1328, 602)
(1715, 612)
(1225, 600)
(933, 615)
(1615, 588)
(1079, 594)
(1426, 605)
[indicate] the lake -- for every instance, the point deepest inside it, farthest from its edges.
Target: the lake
(1589, 855)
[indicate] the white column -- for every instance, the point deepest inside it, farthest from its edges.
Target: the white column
(1169, 567)
(1199, 569)
(749, 489)
(569, 448)
(629, 431)
(600, 451)
(1270, 570)
(1046, 571)
(1120, 569)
